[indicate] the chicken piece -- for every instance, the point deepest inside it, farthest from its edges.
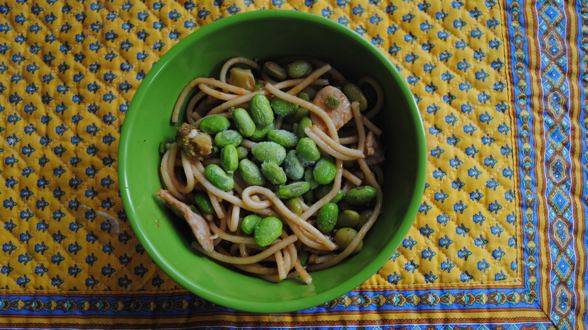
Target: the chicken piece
(373, 150)
(243, 78)
(335, 104)
(194, 144)
(197, 223)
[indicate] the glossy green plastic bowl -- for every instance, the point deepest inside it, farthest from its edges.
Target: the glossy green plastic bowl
(266, 34)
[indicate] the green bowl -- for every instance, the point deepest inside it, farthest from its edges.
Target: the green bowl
(266, 34)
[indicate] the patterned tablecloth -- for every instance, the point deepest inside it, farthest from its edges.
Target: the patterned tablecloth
(500, 237)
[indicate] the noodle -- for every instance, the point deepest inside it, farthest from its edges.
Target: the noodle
(352, 178)
(250, 259)
(235, 60)
(183, 172)
(234, 220)
(216, 94)
(359, 126)
(308, 80)
(379, 96)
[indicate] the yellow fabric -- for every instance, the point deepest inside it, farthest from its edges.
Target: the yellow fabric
(75, 120)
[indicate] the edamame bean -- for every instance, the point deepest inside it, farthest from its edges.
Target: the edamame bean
(360, 195)
(364, 217)
(228, 137)
(267, 231)
(302, 125)
(243, 121)
(261, 111)
(229, 158)
(310, 91)
(327, 217)
(242, 152)
(273, 172)
(324, 171)
(203, 203)
(309, 197)
(214, 123)
(354, 94)
(348, 218)
(292, 190)
(292, 166)
(299, 69)
(249, 223)
(303, 257)
(344, 236)
(282, 137)
(308, 177)
(269, 152)
(218, 177)
(338, 197)
(307, 151)
(296, 205)
(260, 133)
(275, 70)
(283, 108)
(250, 173)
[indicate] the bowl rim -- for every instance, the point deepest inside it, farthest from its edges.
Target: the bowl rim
(305, 302)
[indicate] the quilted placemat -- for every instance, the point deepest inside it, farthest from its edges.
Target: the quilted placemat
(500, 237)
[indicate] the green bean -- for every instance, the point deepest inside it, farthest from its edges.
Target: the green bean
(218, 177)
(307, 151)
(302, 125)
(327, 217)
(273, 172)
(360, 195)
(228, 137)
(267, 231)
(269, 152)
(292, 166)
(242, 152)
(283, 108)
(261, 111)
(243, 121)
(344, 236)
(229, 159)
(354, 94)
(249, 223)
(324, 171)
(296, 205)
(214, 123)
(203, 203)
(250, 173)
(292, 190)
(282, 137)
(299, 69)
(349, 218)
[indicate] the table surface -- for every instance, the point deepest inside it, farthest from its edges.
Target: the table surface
(500, 237)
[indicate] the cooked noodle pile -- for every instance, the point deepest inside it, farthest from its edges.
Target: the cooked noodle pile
(273, 167)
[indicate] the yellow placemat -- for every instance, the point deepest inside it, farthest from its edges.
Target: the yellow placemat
(69, 70)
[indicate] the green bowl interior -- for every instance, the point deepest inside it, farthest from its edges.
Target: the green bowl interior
(261, 35)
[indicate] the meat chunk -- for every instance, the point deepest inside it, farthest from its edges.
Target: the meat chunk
(194, 144)
(197, 223)
(335, 104)
(373, 150)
